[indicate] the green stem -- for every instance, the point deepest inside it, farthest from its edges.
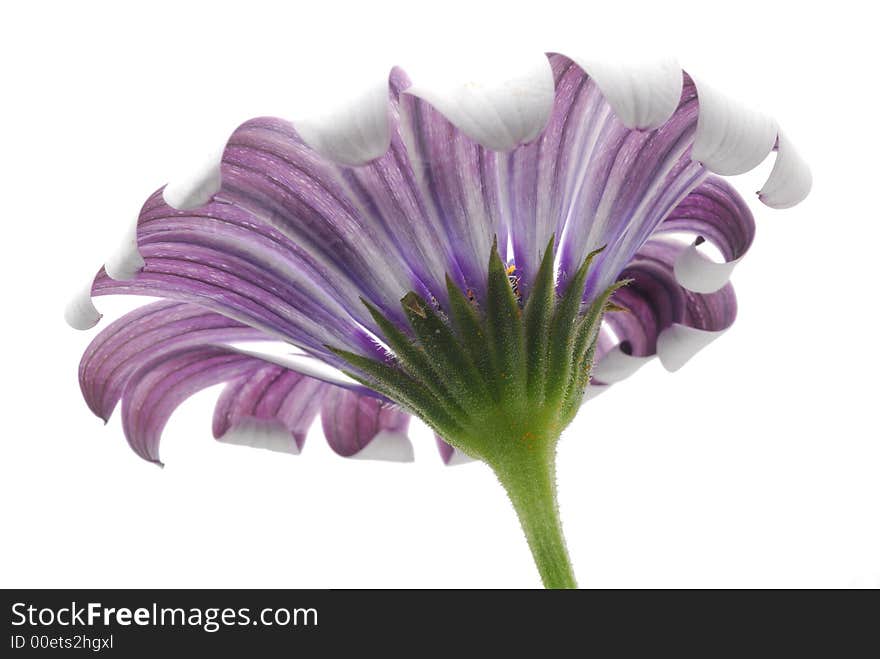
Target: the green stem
(531, 486)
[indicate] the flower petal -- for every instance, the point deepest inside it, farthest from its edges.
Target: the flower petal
(662, 317)
(197, 184)
(731, 137)
(790, 179)
(458, 179)
(386, 191)
(354, 132)
(224, 259)
(643, 94)
(127, 261)
(272, 174)
(714, 212)
(156, 389)
(498, 111)
(450, 455)
(593, 181)
(80, 312)
(365, 427)
(143, 335)
(252, 409)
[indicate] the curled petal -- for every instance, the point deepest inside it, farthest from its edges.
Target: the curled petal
(127, 261)
(731, 138)
(354, 132)
(500, 112)
(714, 212)
(643, 94)
(197, 184)
(365, 427)
(253, 409)
(143, 335)
(790, 179)
(662, 318)
(80, 312)
(158, 387)
(222, 258)
(617, 364)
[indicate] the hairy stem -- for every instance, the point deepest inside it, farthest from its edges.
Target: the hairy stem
(531, 485)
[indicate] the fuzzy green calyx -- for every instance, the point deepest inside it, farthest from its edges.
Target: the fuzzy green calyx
(499, 383)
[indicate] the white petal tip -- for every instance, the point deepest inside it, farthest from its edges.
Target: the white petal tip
(790, 180)
(643, 94)
(458, 458)
(677, 344)
(387, 446)
(731, 138)
(261, 433)
(81, 313)
(505, 104)
(127, 261)
(197, 186)
(697, 272)
(616, 365)
(354, 132)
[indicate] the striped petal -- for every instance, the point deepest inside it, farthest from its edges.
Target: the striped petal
(222, 258)
(271, 407)
(714, 213)
(663, 318)
(365, 427)
(159, 386)
(271, 173)
(592, 180)
(143, 335)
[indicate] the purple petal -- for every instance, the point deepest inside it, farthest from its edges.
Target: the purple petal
(459, 182)
(592, 181)
(663, 318)
(269, 398)
(716, 213)
(363, 426)
(156, 389)
(449, 454)
(141, 336)
(223, 259)
(269, 171)
(388, 193)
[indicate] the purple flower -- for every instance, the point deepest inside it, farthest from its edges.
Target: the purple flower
(373, 244)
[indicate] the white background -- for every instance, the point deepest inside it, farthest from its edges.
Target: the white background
(756, 465)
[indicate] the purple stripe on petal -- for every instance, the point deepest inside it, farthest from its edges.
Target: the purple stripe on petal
(716, 213)
(271, 395)
(158, 387)
(141, 336)
(352, 421)
(270, 172)
(656, 302)
(459, 182)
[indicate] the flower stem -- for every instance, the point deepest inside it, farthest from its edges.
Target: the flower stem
(531, 486)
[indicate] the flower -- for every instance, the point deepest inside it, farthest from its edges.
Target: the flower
(473, 258)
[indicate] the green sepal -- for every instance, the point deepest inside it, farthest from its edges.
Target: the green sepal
(537, 316)
(504, 330)
(412, 356)
(442, 349)
(399, 386)
(564, 328)
(584, 347)
(468, 327)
